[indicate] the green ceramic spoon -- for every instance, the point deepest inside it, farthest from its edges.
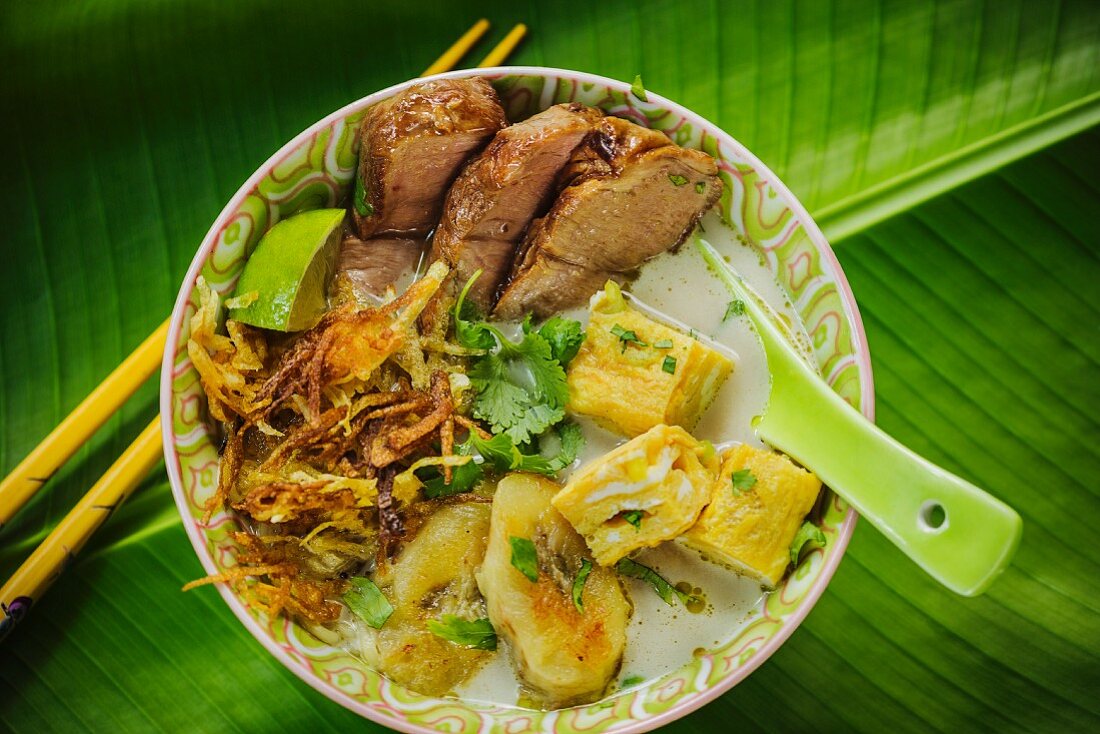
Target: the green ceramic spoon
(962, 536)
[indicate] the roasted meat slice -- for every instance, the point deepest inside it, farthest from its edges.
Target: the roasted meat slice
(369, 267)
(633, 194)
(412, 146)
(500, 191)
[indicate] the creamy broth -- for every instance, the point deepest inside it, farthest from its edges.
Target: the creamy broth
(677, 288)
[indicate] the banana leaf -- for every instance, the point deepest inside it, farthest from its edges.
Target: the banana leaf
(949, 148)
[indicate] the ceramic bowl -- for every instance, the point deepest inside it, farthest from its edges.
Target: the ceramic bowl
(315, 170)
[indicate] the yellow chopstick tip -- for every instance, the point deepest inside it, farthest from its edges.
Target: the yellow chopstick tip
(450, 58)
(503, 49)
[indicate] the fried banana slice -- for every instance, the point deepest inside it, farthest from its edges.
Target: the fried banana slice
(562, 655)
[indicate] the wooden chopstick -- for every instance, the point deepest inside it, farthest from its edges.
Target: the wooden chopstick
(503, 49)
(77, 427)
(450, 58)
(49, 559)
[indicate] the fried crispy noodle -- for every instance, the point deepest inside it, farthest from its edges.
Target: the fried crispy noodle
(324, 433)
(231, 368)
(285, 588)
(229, 471)
(349, 344)
(396, 443)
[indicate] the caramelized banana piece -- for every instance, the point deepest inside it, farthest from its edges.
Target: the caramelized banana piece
(562, 656)
(433, 575)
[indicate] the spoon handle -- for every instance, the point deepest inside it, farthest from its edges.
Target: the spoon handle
(961, 535)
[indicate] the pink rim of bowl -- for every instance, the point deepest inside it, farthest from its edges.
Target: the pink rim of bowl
(830, 262)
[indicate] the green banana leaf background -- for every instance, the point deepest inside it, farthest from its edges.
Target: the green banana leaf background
(950, 150)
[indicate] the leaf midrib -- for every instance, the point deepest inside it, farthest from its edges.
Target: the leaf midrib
(858, 212)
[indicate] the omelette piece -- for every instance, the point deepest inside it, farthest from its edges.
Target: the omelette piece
(649, 490)
(758, 504)
(633, 373)
(566, 635)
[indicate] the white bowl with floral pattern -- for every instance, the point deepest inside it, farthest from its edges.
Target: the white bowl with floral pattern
(315, 170)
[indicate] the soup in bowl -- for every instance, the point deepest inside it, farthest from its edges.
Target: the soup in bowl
(466, 440)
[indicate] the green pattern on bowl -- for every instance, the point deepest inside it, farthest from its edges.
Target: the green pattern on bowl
(315, 170)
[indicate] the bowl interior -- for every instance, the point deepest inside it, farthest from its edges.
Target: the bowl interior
(315, 170)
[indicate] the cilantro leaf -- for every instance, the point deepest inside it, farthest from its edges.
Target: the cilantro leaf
(504, 455)
(469, 331)
(500, 402)
(520, 387)
(564, 337)
(735, 308)
(524, 558)
(463, 479)
(368, 602)
(478, 634)
(664, 589)
(546, 372)
(808, 533)
(507, 404)
(638, 89)
(578, 584)
(742, 480)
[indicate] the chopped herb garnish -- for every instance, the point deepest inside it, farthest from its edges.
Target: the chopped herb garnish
(359, 198)
(578, 584)
(627, 336)
(634, 517)
(663, 344)
(664, 589)
(524, 558)
(742, 480)
(632, 680)
(638, 89)
(469, 331)
(700, 187)
(368, 602)
(677, 179)
(504, 455)
(463, 478)
(735, 308)
(669, 365)
(564, 337)
(808, 533)
(520, 408)
(478, 633)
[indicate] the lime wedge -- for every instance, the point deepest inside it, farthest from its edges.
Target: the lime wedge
(289, 272)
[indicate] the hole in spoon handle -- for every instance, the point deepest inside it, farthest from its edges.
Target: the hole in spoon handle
(932, 517)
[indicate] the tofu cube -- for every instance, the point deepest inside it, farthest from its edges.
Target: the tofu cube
(751, 528)
(649, 490)
(633, 373)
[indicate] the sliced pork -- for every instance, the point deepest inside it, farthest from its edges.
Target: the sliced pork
(632, 194)
(369, 267)
(498, 193)
(412, 146)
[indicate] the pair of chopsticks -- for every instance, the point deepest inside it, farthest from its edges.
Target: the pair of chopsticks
(30, 581)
